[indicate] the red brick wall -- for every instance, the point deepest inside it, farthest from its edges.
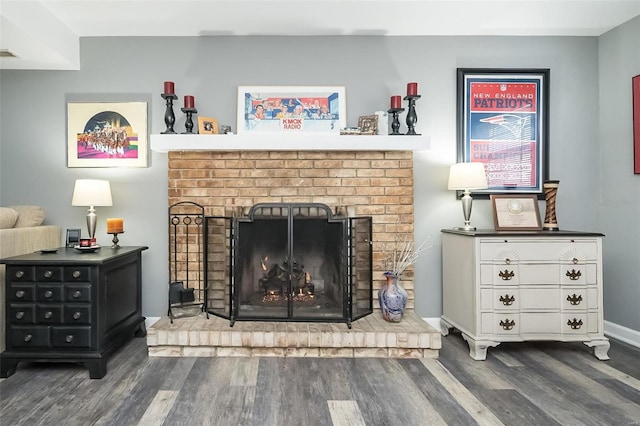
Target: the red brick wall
(377, 184)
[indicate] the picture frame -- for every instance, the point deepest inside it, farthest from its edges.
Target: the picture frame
(635, 82)
(515, 212)
(107, 134)
(207, 126)
(368, 124)
(291, 109)
(73, 237)
(503, 122)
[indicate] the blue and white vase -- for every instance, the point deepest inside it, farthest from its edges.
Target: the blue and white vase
(392, 298)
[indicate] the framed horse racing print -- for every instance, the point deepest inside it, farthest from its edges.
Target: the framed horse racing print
(107, 134)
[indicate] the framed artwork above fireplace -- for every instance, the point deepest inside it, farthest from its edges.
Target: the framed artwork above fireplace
(291, 109)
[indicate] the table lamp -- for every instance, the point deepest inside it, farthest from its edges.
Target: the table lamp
(91, 193)
(465, 177)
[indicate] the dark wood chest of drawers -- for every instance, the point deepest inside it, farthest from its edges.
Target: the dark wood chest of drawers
(71, 307)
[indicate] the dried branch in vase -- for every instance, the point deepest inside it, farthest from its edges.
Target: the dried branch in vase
(403, 255)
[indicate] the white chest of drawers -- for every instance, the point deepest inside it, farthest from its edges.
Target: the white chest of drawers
(518, 286)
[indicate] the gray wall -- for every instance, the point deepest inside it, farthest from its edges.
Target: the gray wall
(33, 163)
(619, 188)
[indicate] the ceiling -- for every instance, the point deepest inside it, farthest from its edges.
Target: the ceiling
(45, 34)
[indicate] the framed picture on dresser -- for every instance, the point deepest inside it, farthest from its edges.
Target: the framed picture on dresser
(515, 212)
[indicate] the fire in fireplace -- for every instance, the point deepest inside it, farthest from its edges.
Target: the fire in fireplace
(291, 262)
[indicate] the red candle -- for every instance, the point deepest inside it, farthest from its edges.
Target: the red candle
(412, 89)
(188, 101)
(396, 101)
(169, 88)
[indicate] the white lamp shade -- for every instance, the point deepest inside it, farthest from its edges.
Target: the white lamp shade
(91, 192)
(467, 176)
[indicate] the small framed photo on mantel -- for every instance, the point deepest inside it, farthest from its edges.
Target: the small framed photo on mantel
(515, 212)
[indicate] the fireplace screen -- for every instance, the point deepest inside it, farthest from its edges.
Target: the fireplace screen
(291, 262)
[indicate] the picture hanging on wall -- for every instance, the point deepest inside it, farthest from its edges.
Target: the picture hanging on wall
(107, 134)
(291, 109)
(636, 123)
(503, 122)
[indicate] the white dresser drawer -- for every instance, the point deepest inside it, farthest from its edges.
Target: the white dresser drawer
(538, 249)
(522, 299)
(538, 273)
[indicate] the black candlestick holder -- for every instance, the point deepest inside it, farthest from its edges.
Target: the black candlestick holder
(115, 240)
(412, 117)
(395, 123)
(169, 117)
(189, 123)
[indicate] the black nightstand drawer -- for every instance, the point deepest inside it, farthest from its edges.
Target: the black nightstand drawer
(77, 292)
(49, 314)
(77, 273)
(49, 293)
(33, 337)
(21, 292)
(77, 314)
(22, 313)
(20, 273)
(48, 273)
(71, 337)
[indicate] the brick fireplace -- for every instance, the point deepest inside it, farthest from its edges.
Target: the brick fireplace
(372, 182)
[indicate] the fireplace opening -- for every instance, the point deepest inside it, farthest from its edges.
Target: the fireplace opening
(293, 262)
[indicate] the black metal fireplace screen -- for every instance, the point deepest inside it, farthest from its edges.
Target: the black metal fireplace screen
(276, 262)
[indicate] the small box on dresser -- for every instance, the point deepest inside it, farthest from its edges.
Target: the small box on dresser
(503, 286)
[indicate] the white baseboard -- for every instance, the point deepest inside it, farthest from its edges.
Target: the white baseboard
(433, 322)
(622, 333)
(150, 321)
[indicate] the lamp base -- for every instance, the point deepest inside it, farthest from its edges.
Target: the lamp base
(465, 228)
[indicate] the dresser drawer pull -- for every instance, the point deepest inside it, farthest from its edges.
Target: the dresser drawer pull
(48, 315)
(19, 274)
(76, 274)
(574, 299)
(575, 260)
(506, 275)
(507, 300)
(574, 275)
(507, 324)
(77, 294)
(507, 261)
(48, 294)
(19, 294)
(28, 338)
(76, 315)
(69, 338)
(574, 324)
(20, 315)
(48, 274)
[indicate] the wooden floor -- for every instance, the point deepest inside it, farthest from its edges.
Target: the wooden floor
(543, 383)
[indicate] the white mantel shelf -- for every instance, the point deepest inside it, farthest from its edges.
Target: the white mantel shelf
(288, 142)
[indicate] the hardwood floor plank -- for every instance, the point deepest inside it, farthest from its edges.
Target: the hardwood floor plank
(132, 407)
(503, 403)
(157, 411)
(345, 413)
(386, 385)
(462, 396)
(245, 372)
